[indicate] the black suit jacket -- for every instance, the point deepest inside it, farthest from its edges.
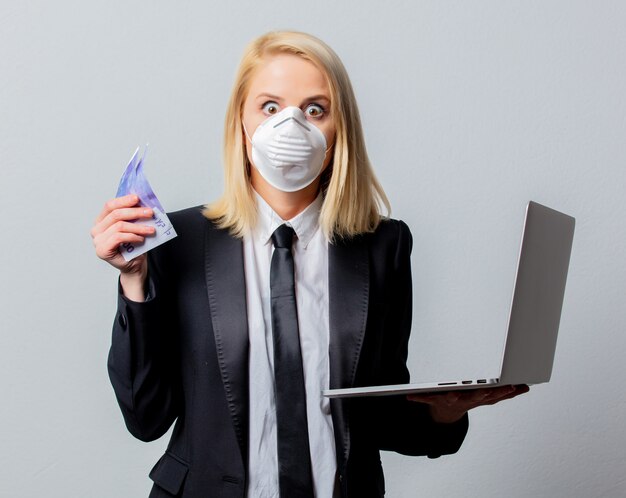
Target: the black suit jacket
(183, 355)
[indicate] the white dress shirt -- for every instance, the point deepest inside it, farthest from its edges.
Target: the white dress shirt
(310, 252)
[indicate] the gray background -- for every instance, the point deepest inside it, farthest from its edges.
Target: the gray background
(470, 109)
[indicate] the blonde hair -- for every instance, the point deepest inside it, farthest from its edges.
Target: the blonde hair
(353, 197)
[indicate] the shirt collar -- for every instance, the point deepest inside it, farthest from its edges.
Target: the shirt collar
(305, 224)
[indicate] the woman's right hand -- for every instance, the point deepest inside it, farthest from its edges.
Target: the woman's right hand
(113, 227)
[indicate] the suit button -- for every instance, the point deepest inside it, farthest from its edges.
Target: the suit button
(340, 477)
(122, 321)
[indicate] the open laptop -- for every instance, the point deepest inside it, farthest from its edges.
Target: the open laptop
(535, 310)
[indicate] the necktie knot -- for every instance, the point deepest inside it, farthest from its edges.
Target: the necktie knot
(283, 237)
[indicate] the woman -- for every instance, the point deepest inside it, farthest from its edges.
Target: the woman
(206, 323)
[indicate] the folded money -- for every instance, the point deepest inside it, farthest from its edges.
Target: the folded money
(134, 181)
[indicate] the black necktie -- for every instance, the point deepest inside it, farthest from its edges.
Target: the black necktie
(294, 461)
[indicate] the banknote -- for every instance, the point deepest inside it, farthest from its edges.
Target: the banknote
(134, 181)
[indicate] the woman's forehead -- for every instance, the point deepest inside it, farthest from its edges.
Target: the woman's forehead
(288, 76)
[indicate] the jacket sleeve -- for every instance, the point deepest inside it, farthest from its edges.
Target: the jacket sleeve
(142, 362)
(406, 426)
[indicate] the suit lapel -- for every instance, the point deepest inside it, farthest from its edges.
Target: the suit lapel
(226, 289)
(348, 267)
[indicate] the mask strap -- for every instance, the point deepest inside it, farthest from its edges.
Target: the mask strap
(331, 146)
(245, 131)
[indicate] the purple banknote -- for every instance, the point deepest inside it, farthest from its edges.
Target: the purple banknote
(134, 181)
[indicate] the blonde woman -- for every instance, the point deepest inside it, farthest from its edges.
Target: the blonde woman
(291, 283)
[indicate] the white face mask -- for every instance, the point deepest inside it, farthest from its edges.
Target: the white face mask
(288, 150)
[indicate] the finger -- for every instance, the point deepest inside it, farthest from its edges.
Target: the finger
(452, 397)
(126, 214)
(108, 243)
(121, 214)
(123, 227)
(492, 392)
(471, 398)
(507, 391)
(443, 397)
(423, 398)
(518, 390)
(109, 249)
(501, 395)
(119, 202)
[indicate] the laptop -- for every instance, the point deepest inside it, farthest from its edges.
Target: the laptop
(534, 316)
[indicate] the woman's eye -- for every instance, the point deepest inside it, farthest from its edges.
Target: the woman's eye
(270, 108)
(314, 111)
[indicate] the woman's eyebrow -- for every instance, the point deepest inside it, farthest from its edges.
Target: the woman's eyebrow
(317, 97)
(279, 99)
(269, 96)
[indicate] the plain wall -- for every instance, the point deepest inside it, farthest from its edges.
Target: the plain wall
(470, 109)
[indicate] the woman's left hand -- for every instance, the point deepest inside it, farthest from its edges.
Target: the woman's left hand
(450, 406)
